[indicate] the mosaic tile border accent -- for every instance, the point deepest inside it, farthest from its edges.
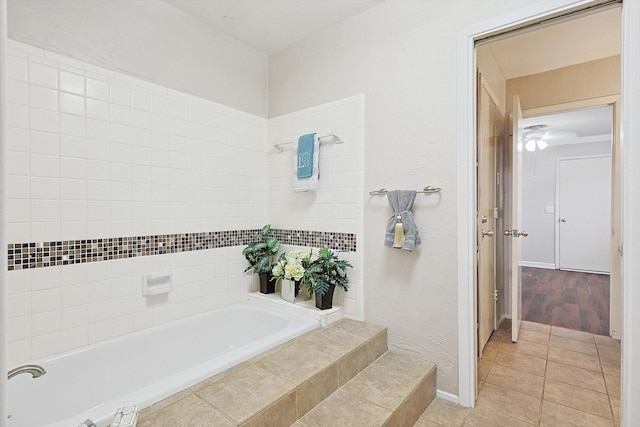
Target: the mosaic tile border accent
(22, 256)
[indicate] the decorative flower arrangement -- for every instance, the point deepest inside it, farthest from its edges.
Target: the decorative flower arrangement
(292, 265)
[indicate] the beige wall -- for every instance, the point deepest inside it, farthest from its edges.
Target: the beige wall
(150, 40)
(588, 80)
(402, 56)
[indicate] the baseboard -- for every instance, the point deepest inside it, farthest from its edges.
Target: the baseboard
(534, 264)
(448, 396)
(502, 319)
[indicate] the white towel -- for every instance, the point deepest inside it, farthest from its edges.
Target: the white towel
(310, 183)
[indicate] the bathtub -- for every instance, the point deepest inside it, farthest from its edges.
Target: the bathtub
(146, 366)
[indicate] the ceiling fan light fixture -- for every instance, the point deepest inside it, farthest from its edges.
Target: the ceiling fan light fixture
(542, 144)
(530, 145)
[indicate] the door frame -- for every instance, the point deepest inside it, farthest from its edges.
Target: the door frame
(557, 202)
(466, 191)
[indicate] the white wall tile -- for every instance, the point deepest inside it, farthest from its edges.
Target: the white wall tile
(73, 168)
(71, 146)
(42, 97)
(19, 352)
(17, 116)
(73, 338)
(97, 109)
(43, 120)
(45, 323)
(19, 304)
(71, 82)
(97, 88)
(120, 95)
(43, 75)
(46, 345)
(17, 92)
(45, 165)
(16, 68)
(17, 139)
(72, 104)
(72, 125)
(45, 300)
(45, 188)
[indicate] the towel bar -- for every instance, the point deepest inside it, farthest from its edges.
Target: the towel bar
(426, 190)
(325, 136)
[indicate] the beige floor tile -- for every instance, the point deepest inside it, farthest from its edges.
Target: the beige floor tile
(381, 386)
(522, 362)
(526, 347)
(573, 334)
(609, 352)
(416, 403)
(257, 387)
(574, 358)
(333, 343)
(580, 377)
(484, 366)
(508, 403)
(357, 328)
(426, 423)
(295, 363)
(615, 406)
(401, 364)
(486, 418)
(613, 385)
(605, 340)
(532, 336)
(344, 409)
(573, 345)
(188, 412)
(577, 398)
(611, 367)
(490, 350)
(536, 327)
(281, 413)
(443, 412)
(316, 389)
(554, 415)
(516, 380)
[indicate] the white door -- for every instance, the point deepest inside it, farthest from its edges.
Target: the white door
(514, 233)
(584, 212)
(489, 121)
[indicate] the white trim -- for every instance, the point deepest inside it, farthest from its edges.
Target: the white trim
(465, 123)
(485, 85)
(447, 396)
(3, 213)
(545, 265)
(630, 156)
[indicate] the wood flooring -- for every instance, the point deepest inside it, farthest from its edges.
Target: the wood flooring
(568, 299)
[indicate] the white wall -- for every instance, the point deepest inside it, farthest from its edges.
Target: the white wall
(538, 191)
(148, 39)
(401, 55)
(96, 154)
(337, 205)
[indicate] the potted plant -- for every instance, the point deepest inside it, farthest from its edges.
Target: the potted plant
(260, 256)
(290, 270)
(323, 275)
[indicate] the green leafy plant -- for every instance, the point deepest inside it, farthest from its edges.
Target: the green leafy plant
(261, 254)
(325, 270)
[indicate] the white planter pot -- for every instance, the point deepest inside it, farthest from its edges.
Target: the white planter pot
(288, 291)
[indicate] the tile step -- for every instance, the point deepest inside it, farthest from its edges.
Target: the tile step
(392, 392)
(281, 385)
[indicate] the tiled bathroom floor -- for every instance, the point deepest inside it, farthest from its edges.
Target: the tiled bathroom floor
(551, 377)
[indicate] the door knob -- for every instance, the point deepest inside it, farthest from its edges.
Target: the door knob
(523, 234)
(508, 232)
(486, 233)
(563, 220)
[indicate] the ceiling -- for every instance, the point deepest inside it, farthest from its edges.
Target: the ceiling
(579, 126)
(270, 26)
(572, 42)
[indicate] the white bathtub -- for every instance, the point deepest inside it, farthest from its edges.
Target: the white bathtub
(146, 366)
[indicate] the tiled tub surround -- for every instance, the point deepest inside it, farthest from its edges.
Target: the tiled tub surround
(23, 256)
(339, 375)
(147, 366)
(94, 153)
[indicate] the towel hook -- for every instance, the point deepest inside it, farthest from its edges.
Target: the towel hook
(426, 190)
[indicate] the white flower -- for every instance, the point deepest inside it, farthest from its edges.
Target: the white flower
(293, 270)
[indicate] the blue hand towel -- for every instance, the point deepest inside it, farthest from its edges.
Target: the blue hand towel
(305, 155)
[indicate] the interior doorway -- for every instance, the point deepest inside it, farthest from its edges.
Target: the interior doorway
(567, 205)
(535, 85)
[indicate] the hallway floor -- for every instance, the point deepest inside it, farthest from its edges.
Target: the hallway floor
(569, 299)
(551, 377)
